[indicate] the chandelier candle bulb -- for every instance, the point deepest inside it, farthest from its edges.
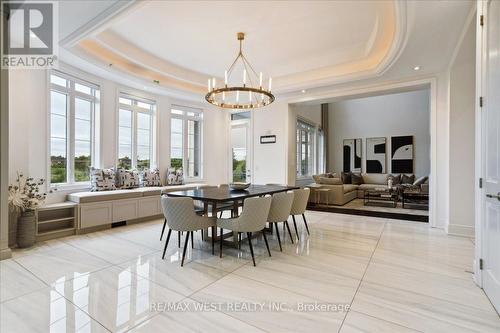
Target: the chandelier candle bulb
(270, 82)
(228, 95)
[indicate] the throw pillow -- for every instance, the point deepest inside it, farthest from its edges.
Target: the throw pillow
(356, 179)
(346, 177)
(102, 179)
(150, 177)
(405, 179)
(330, 181)
(317, 177)
(420, 181)
(331, 175)
(128, 178)
(396, 179)
(175, 177)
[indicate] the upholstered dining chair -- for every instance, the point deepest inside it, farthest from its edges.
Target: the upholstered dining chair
(299, 205)
(281, 206)
(252, 219)
(181, 216)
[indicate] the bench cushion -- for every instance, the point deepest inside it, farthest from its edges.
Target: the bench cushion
(87, 197)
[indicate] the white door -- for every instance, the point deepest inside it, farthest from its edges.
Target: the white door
(241, 148)
(491, 153)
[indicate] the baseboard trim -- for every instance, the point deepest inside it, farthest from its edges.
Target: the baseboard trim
(5, 254)
(460, 230)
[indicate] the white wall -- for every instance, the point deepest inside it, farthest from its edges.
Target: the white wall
(310, 113)
(28, 131)
(462, 136)
(405, 113)
(270, 161)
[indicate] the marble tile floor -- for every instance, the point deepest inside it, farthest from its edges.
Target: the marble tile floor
(352, 274)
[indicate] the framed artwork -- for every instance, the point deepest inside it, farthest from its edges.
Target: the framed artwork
(402, 154)
(375, 155)
(352, 155)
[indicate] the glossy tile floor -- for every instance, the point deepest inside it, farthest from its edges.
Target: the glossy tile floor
(352, 274)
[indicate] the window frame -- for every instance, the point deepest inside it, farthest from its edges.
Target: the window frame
(135, 109)
(314, 150)
(185, 117)
(71, 95)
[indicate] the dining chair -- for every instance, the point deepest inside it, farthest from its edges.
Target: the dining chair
(299, 205)
(253, 218)
(180, 216)
(281, 206)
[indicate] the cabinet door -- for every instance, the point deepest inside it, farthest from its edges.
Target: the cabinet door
(149, 206)
(94, 214)
(124, 210)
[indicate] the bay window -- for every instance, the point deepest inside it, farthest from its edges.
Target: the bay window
(185, 140)
(74, 113)
(135, 132)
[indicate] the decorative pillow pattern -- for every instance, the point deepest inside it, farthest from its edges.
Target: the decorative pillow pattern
(102, 179)
(150, 177)
(175, 177)
(128, 178)
(407, 179)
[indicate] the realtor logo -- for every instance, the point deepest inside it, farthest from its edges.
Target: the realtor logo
(29, 34)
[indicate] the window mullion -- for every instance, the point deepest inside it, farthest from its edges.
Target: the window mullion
(71, 150)
(134, 140)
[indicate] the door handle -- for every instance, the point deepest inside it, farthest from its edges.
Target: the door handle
(492, 196)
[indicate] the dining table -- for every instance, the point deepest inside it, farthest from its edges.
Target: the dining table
(212, 197)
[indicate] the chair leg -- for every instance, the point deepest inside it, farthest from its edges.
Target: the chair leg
(305, 222)
(295, 226)
(202, 238)
(249, 236)
(213, 240)
(278, 234)
(220, 249)
(185, 247)
(289, 232)
(265, 240)
(220, 215)
(239, 240)
(166, 243)
(192, 239)
(179, 238)
(163, 229)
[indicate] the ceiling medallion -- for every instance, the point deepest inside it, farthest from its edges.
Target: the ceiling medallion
(247, 96)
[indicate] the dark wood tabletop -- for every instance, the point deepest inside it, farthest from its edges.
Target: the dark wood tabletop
(225, 193)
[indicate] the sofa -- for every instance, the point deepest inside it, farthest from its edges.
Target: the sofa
(341, 193)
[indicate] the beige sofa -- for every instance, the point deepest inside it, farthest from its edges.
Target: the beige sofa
(340, 194)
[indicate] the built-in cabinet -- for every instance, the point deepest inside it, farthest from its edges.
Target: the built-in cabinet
(107, 212)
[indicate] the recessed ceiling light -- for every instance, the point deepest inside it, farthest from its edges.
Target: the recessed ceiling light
(303, 91)
(416, 68)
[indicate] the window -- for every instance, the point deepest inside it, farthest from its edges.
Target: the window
(185, 140)
(74, 109)
(135, 132)
(310, 149)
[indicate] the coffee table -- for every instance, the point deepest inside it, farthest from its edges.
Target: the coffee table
(381, 197)
(415, 200)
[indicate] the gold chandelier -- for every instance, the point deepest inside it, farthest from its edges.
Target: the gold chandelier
(246, 96)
